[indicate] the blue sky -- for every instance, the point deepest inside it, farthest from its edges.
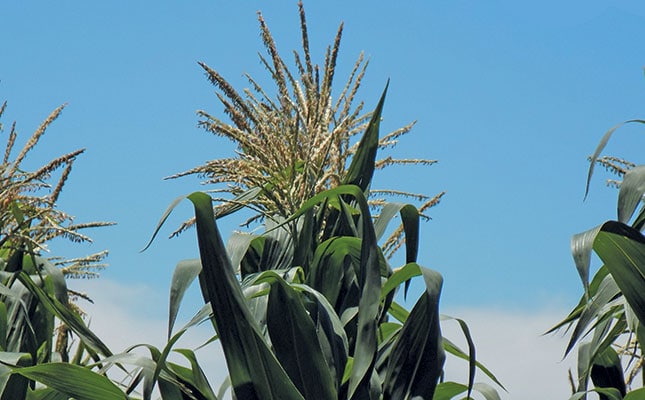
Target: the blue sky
(511, 98)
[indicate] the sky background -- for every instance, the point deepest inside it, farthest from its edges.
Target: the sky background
(511, 98)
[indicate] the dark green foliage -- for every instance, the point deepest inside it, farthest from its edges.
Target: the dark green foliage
(611, 312)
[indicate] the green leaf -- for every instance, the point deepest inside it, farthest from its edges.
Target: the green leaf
(73, 380)
(631, 192)
(185, 273)
(45, 394)
(601, 146)
(581, 247)
(398, 312)
(335, 268)
(622, 249)
(67, 315)
(236, 204)
(388, 212)
(237, 246)
(197, 378)
(448, 390)
(416, 362)
(368, 306)
(331, 333)
(607, 372)
(472, 357)
(410, 219)
(361, 169)
(4, 327)
(399, 276)
(13, 386)
(453, 349)
(577, 311)
(593, 310)
(638, 394)
(255, 372)
(295, 343)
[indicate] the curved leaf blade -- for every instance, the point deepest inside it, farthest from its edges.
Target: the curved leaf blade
(185, 273)
(601, 146)
(581, 247)
(73, 380)
(417, 358)
(295, 343)
(631, 193)
(255, 373)
(622, 249)
(361, 169)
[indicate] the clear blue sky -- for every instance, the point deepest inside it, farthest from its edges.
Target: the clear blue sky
(511, 98)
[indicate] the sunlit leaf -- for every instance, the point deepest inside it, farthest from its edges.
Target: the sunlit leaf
(185, 273)
(631, 193)
(601, 146)
(73, 380)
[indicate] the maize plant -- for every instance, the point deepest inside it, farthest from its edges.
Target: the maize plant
(611, 312)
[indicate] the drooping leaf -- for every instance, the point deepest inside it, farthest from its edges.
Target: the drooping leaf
(254, 370)
(235, 204)
(581, 247)
(410, 219)
(400, 276)
(631, 192)
(185, 273)
(607, 372)
(237, 246)
(472, 357)
(67, 315)
(388, 212)
(417, 358)
(622, 249)
(601, 146)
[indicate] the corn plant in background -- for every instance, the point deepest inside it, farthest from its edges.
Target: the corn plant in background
(607, 324)
(33, 291)
(297, 143)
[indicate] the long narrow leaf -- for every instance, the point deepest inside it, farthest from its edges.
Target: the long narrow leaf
(65, 314)
(294, 340)
(631, 192)
(416, 362)
(13, 386)
(254, 370)
(185, 273)
(601, 146)
(581, 247)
(622, 249)
(73, 380)
(361, 169)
